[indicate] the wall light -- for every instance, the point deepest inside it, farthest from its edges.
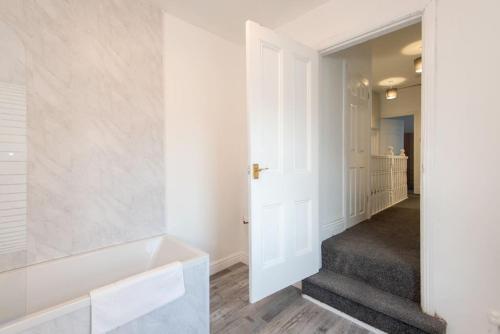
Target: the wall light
(391, 93)
(418, 65)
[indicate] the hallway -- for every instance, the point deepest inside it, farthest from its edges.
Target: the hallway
(372, 272)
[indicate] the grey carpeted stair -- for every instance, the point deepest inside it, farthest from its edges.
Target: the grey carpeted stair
(372, 272)
(383, 252)
(376, 307)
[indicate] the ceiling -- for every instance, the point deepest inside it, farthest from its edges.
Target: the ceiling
(226, 18)
(393, 55)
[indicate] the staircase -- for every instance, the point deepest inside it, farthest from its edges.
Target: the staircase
(372, 272)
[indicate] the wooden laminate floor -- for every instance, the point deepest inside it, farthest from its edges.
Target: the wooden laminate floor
(283, 312)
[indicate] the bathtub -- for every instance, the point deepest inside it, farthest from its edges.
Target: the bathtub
(53, 297)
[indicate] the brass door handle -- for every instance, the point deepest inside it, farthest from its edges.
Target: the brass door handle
(256, 171)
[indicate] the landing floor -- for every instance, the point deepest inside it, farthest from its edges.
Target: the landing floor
(392, 235)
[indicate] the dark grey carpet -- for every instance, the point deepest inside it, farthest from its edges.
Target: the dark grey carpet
(383, 251)
(372, 272)
(381, 309)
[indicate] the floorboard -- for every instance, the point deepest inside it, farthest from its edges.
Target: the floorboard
(283, 312)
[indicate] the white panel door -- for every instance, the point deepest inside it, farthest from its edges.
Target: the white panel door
(357, 119)
(282, 80)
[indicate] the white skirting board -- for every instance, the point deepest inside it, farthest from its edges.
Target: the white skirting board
(332, 228)
(343, 315)
(228, 261)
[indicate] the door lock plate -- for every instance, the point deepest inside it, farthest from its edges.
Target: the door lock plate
(256, 171)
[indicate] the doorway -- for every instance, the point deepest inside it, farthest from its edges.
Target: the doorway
(332, 215)
(384, 108)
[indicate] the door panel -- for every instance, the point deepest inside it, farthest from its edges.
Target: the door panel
(353, 127)
(282, 112)
(272, 235)
(303, 227)
(301, 114)
(270, 113)
(362, 196)
(351, 184)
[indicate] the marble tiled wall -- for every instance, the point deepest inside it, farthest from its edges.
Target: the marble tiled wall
(94, 123)
(13, 149)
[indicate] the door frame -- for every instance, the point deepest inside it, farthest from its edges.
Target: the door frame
(427, 16)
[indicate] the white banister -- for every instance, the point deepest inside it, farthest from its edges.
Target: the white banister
(388, 180)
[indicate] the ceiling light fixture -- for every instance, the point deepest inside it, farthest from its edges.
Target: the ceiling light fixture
(391, 93)
(413, 49)
(418, 65)
(391, 81)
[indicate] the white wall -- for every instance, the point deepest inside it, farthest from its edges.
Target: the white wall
(407, 103)
(331, 197)
(392, 133)
(205, 140)
(464, 218)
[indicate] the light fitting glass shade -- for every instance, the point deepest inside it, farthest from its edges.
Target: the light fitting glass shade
(391, 93)
(418, 65)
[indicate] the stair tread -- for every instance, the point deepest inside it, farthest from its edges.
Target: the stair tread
(394, 306)
(383, 251)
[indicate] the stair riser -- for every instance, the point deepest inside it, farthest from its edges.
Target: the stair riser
(358, 311)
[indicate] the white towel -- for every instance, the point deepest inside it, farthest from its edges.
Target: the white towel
(118, 303)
